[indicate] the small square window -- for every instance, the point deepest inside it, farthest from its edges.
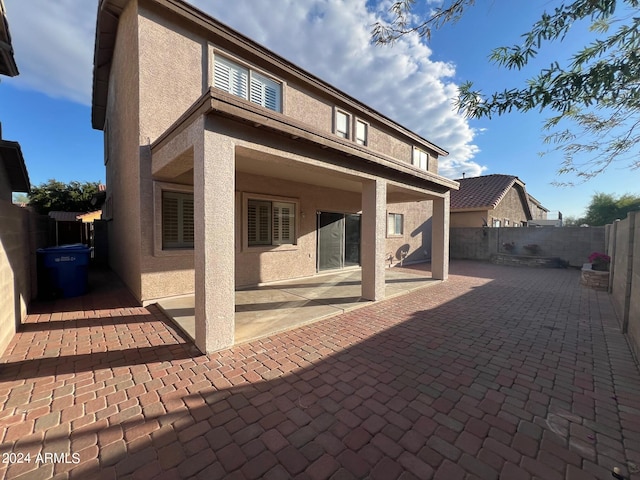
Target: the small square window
(420, 159)
(342, 124)
(395, 224)
(362, 132)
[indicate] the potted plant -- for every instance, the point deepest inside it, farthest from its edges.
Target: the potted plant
(600, 261)
(509, 247)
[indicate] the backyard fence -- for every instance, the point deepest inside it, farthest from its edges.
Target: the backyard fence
(21, 233)
(572, 245)
(623, 246)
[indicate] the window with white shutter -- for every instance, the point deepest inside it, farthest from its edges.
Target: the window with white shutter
(342, 124)
(362, 132)
(420, 159)
(265, 92)
(177, 220)
(230, 77)
(270, 223)
(259, 222)
(246, 83)
(283, 222)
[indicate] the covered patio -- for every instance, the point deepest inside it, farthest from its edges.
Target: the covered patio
(277, 307)
(266, 158)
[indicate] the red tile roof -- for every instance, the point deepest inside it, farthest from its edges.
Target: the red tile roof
(481, 192)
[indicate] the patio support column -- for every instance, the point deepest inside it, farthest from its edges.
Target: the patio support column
(214, 259)
(440, 238)
(374, 215)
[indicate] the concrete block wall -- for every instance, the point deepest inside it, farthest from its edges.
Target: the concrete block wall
(623, 246)
(467, 243)
(21, 234)
(571, 244)
(15, 270)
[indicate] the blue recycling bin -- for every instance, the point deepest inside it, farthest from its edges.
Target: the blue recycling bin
(63, 271)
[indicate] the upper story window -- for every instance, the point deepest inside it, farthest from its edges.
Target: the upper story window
(247, 83)
(343, 121)
(420, 159)
(362, 132)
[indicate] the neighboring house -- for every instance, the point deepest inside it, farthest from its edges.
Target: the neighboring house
(13, 171)
(542, 217)
(229, 166)
(493, 201)
(538, 211)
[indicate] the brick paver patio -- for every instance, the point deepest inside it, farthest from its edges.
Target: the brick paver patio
(502, 372)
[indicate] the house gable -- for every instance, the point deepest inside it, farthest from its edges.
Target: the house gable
(490, 200)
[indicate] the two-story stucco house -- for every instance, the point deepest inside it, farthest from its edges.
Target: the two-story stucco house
(229, 166)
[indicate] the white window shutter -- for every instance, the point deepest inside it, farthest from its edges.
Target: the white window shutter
(342, 124)
(265, 92)
(361, 132)
(420, 159)
(170, 221)
(177, 220)
(258, 222)
(187, 220)
(283, 223)
(230, 77)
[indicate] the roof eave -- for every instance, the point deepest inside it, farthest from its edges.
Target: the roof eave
(7, 61)
(106, 28)
(13, 163)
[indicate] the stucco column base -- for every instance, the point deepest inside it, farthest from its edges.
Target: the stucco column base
(440, 238)
(374, 215)
(214, 185)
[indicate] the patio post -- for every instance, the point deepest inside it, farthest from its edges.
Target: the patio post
(440, 238)
(374, 215)
(214, 256)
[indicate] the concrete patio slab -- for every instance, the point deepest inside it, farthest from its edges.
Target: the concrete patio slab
(499, 373)
(279, 306)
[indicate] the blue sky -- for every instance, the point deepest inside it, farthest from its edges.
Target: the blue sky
(47, 108)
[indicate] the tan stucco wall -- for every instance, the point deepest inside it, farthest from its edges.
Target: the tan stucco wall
(172, 78)
(470, 219)
(416, 237)
(308, 108)
(15, 265)
(510, 208)
(123, 166)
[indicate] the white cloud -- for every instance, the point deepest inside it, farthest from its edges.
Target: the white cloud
(53, 42)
